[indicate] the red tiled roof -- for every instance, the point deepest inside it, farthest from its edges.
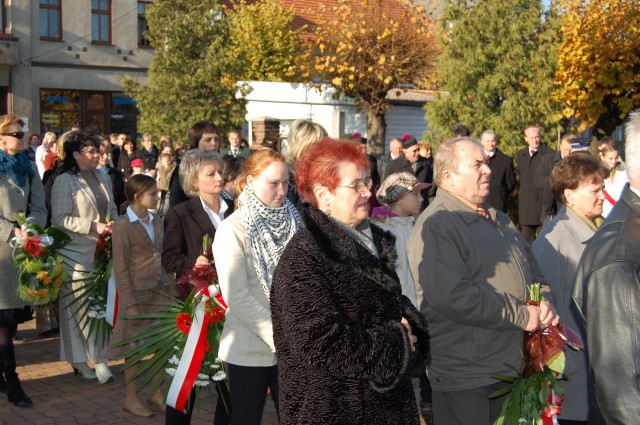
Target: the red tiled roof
(308, 11)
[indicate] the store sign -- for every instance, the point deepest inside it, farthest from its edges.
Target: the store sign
(51, 118)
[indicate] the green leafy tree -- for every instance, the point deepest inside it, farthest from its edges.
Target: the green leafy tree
(262, 38)
(365, 48)
(192, 76)
(497, 70)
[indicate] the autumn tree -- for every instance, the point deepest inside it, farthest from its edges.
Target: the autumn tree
(365, 48)
(496, 70)
(262, 39)
(598, 76)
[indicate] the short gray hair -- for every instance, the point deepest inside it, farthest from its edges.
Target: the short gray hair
(190, 166)
(301, 135)
(632, 145)
(447, 157)
(489, 133)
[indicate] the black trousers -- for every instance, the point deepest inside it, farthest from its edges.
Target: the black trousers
(248, 386)
(529, 232)
(222, 415)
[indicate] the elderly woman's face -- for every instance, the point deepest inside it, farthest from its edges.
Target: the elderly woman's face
(349, 201)
(272, 184)
(587, 198)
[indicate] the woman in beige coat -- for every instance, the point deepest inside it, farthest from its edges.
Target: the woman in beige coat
(82, 205)
(20, 191)
(137, 244)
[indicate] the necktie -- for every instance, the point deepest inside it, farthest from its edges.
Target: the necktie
(480, 210)
(533, 152)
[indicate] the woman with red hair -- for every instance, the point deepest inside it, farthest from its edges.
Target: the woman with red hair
(247, 248)
(347, 340)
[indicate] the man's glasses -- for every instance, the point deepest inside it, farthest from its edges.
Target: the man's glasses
(360, 186)
(16, 134)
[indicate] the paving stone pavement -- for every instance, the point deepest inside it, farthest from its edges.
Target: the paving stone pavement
(62, 398)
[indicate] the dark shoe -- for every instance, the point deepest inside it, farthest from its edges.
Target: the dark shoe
(3, 384)
(47, 334)
(17, 396)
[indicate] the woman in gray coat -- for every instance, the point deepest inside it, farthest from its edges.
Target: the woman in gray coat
(20, 191)
(578, 181)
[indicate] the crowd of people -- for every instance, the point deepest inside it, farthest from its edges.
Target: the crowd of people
(345, 275)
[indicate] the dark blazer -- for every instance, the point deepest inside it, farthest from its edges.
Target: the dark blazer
(530, 197)
(242, 151)
(424, 173)
(149, 157)
(184, 227)
(176, 193)
(124, 163)
(502, 181)
(550, 206)
(117, 184)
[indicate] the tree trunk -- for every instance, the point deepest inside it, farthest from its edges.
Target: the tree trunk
(376, 131)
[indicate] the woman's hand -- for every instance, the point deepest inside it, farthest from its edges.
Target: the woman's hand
(98, 227)
(412, 338)
(18, 232)
(202, 260)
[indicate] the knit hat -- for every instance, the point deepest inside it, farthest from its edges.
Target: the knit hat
(398, 185)
(408, 141)
(137, 163)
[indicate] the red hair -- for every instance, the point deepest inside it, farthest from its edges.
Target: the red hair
(322, 164)
(256, 164)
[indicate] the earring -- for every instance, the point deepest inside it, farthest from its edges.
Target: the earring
(327, 210)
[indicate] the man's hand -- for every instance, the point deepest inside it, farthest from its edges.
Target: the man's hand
(534, 318)
(548, 315)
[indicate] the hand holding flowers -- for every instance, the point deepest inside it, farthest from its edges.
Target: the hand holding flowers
(40, 273)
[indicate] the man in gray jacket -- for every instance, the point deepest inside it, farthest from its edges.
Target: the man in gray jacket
(474, 267)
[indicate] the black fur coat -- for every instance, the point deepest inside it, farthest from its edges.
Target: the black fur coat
(343, 355)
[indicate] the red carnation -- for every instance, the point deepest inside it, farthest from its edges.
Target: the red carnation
(406, 136)
(33, 246)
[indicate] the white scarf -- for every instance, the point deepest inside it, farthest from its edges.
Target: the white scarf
(268, 232)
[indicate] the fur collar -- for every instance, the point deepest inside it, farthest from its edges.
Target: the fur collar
(341, 248)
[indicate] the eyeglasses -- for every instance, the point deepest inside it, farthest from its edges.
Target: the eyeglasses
(360, 186)
(90, 152)
(16, 134)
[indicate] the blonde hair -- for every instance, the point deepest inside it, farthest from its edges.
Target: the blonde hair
(191, 165)
(8, 120)
(302, 134)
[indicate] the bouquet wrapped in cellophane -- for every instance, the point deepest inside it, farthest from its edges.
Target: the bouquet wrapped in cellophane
(534, 396)
(40, 273)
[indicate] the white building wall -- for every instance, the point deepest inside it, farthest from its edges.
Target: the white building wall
(290, 101)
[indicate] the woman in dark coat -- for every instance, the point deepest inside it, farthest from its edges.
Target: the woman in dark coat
(347, 340)
(185, 225)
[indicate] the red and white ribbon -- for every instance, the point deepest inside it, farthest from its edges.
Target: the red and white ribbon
(192, 355)
(111, 313)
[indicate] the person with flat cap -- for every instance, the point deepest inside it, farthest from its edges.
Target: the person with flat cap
(411, 162)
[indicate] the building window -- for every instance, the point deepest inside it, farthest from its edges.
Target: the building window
(101, 21)
(142, 24)
(51, 20)
(3, 18)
